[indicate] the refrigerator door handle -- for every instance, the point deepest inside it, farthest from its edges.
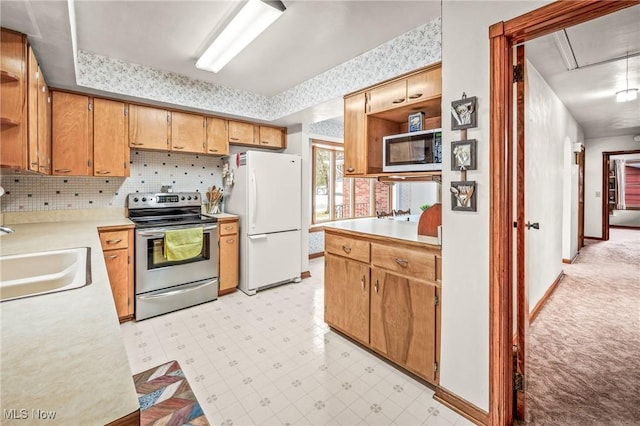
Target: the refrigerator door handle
(258, 237)
(254, 198)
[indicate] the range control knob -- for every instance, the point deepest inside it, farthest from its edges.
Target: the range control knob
(144, 199)
(189, 197)
(135, 199)
(182, 198)
(195, 197)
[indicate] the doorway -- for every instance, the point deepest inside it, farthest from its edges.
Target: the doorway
(620, 183)
(503, 37)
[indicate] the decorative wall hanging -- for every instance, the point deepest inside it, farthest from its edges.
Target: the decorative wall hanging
(463, 113)
(463, 196)
(463, 155)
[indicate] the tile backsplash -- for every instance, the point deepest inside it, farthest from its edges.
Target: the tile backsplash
(149, 171)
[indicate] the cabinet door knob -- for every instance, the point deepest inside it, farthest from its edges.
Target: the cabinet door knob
(415, 96)
(178, 147)
(350, 169)
(103, 172)
(363, 281)
(376, 286)
(402, 262)
(62, 170)
(234, 139)
(116, 241)
(213, 150)
(113, 256)
(137, 143)
(346, 249)
(230, 241)
(398, 101)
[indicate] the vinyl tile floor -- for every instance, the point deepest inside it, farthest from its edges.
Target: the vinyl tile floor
(269, 359)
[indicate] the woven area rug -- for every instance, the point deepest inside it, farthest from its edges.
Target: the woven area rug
(166, 398)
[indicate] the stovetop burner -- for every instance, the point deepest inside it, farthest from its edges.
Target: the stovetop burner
(148, 210)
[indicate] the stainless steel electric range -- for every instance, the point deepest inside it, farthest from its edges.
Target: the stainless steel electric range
(162, 285)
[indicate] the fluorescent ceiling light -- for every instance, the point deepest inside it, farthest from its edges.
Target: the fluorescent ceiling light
(254, 17)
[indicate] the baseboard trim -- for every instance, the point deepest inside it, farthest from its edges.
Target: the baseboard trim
(536, 309)
(461, 406)
(305, 274)
(573, 259)
(316, 255)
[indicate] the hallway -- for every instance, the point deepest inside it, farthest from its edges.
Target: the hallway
(583, 363)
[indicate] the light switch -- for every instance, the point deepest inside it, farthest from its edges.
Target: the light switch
(598, 193)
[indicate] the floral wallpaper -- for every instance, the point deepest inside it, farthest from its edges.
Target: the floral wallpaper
(333, 127)
(414, 49)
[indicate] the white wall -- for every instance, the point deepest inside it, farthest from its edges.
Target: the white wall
(298, 144)
(593, 178)
(549, 131)
(465, 258)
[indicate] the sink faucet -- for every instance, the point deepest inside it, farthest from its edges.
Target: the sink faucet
(6, 230)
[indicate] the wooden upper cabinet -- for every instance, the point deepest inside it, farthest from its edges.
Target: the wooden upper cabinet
(110, 138)
(387, 96)
(424, 85)
(71, 145)
(187, 132)
(418, 87)
(44, 125)
(148, 128)
(217, 136)
(241, 133)
(13, 149)
(32, 111)
(272, 137)
(355, 142)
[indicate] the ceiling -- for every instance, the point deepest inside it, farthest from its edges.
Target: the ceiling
(310, 38)
(588, 92)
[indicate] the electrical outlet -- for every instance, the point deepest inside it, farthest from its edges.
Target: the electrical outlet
(598, 194)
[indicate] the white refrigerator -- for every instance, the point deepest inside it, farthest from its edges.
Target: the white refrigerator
(266, 196)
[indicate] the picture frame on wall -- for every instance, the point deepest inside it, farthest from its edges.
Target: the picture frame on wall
(463, 155)
(463, 113)
(463, 196)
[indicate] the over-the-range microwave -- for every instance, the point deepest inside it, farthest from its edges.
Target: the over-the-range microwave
(412, 152)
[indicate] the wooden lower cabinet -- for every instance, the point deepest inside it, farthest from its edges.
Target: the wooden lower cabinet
(229, 260)
(347, 296)
(403, 321)
(117, 248)
(385, 295)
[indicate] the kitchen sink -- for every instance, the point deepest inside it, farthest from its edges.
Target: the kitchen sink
(44, 272)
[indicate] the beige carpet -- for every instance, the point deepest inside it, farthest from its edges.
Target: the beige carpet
(584, 347)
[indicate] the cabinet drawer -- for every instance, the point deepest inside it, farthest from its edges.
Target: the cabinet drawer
(414, 263)
(111, 240)
(228, 228)
(347, 247)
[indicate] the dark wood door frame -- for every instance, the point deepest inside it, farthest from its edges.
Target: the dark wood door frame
(580, 156)
(606, 159)
(503, 36)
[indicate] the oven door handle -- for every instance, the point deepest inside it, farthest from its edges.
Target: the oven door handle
(175, 292)
(159, 232)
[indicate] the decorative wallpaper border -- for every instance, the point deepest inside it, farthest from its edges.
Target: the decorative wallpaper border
(414, 49)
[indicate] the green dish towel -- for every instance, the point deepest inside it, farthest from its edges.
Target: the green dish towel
(182, 244)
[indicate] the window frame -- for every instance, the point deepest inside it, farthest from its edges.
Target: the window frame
(333, 148)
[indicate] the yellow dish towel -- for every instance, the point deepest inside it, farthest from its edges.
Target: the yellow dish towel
(182, 244)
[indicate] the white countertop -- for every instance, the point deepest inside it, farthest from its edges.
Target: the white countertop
(394, 229)
(63, 351)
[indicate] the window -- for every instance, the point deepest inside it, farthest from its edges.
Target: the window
(337, 197)
(632, 185)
